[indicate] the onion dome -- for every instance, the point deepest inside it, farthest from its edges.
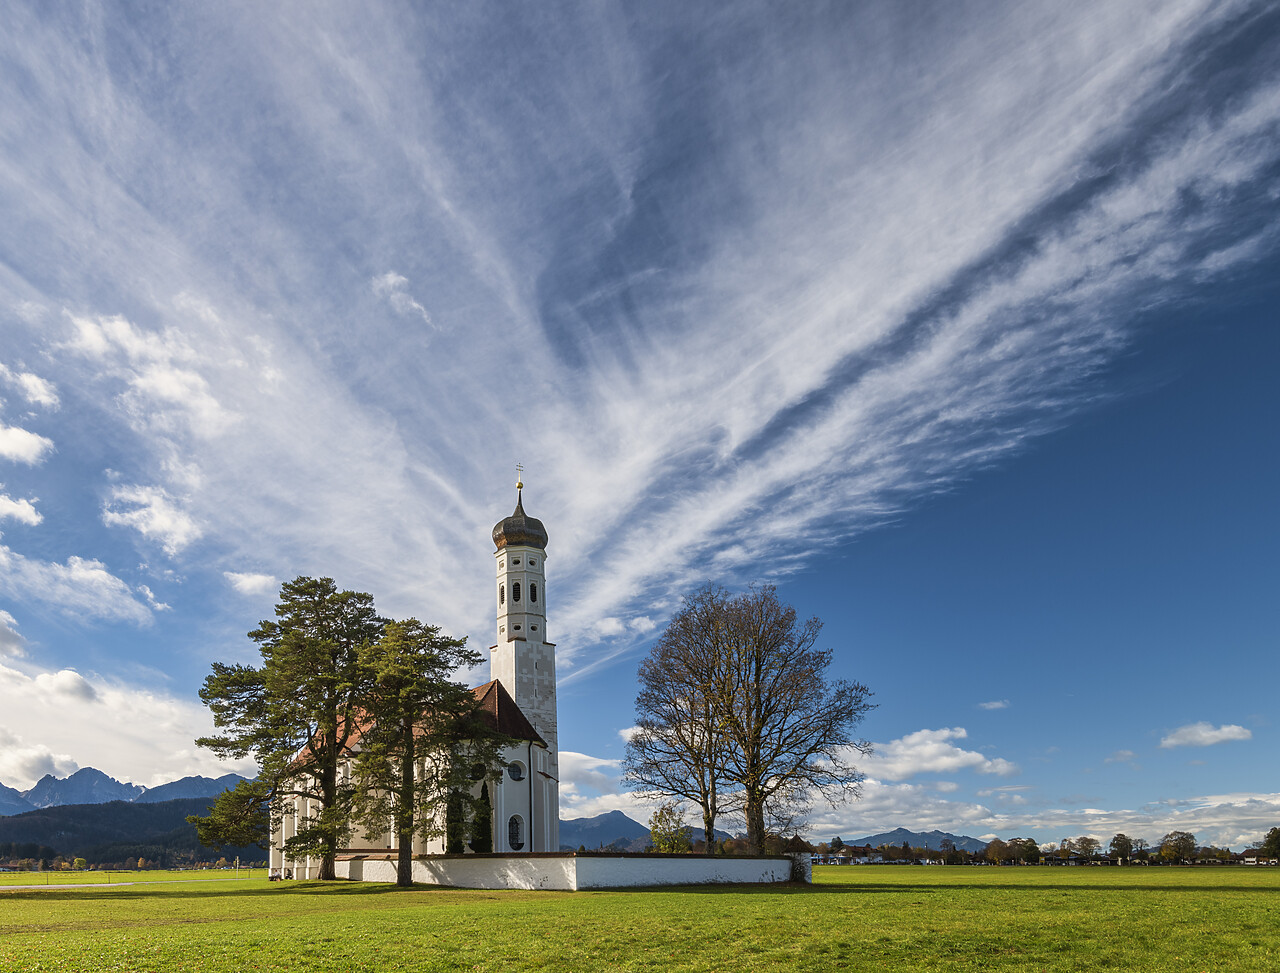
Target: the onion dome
(520, 529)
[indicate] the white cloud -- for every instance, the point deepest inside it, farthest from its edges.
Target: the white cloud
(394, 289)
(155, 603)
(165, 392)
(62, 715)
(81, 587)
(34, 389)
(929, 752)
(1218, 819)
(23, 511)
(1204, 734)
(1121, 757)
(23, 446)
(11, 643)
(248, 583)
(68, 683)
(592, 785)
(22, 764)
(30, 311)
(995, 704)
(154, 514)
(608, 627)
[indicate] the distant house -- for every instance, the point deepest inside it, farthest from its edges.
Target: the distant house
(1254, 856)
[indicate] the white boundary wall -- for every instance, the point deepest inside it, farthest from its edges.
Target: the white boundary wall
(572, 873)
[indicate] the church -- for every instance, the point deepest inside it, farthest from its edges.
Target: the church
(519, 700)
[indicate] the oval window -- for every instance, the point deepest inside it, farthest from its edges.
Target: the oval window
(502, 594)
(515, 770)
(515, 590)
(533, 591)
(515, 833)
(515, 560)
(477, 771)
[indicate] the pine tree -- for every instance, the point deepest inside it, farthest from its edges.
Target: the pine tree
(423, 734)
(482, 823)
(296, 714)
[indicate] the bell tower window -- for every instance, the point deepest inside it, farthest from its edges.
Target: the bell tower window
(502, 595)
(533, 591)
(515, 591)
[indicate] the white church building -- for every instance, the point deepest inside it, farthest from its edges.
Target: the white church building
(519, 701)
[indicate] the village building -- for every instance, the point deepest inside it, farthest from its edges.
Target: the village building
(519, 701)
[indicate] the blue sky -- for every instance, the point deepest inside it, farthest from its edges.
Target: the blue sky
(957, 322)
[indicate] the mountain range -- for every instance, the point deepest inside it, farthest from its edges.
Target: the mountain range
(920, 839)
(91, 786)
(612, 830)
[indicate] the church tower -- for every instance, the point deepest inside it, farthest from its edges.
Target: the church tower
(523, 660)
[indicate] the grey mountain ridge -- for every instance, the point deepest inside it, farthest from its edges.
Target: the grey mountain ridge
(612, 830)
(189, 787)
(85, 786)
(918, 839)
(12, 801)
(91, 786)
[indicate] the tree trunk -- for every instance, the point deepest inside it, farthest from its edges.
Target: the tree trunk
(755, 824)
(404, 812)
(708, 832)
(329, 804)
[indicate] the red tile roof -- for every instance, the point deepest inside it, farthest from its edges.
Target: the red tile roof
(502, 713)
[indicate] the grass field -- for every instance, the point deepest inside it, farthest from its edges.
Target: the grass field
(853, 918)
(118, 876)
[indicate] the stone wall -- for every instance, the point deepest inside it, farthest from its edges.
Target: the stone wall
(570, 872)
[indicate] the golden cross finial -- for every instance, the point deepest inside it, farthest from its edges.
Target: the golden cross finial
(519, 476)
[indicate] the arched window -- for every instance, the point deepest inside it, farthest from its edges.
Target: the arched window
(533, 591)
(502, 595)
(515, 835)
(515, 590)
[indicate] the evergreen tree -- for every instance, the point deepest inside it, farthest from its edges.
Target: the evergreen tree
(296, 714)
(482, 823)
(455, 825)
(423, 734)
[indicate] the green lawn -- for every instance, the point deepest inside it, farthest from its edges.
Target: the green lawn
(115, 876)
(854, 918)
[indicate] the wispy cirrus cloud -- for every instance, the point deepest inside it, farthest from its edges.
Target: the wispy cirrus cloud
(718, 348)
(394, 289)
(994, 704)
(1204, 734)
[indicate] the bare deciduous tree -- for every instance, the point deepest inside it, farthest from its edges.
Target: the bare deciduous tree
(676, 748)
(735, 704)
